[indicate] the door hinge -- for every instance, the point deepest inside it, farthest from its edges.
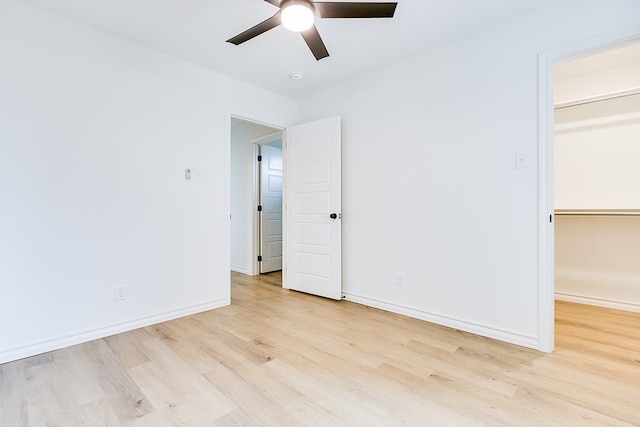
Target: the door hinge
(259, 258)
(259, 157)
(259, 208)
(550, 218)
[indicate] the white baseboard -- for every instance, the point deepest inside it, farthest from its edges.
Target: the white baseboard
(90, 335)
(599, 302)
(475, 328)
(241, 270)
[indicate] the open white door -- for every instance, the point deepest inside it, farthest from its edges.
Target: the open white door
(313, 236)
(271, 214)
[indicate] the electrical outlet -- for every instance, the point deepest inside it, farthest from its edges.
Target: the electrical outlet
(119, 293)
(399, 280)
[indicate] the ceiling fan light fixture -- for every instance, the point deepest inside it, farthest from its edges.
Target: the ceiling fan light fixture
(297, 16)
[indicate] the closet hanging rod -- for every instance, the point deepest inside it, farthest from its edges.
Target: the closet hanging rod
(614, 95)
(621, 212)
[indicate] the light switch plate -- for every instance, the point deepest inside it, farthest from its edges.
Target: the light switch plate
(522, 161)
(200, 175)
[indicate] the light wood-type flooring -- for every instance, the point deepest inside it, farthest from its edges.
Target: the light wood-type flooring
(281, 358)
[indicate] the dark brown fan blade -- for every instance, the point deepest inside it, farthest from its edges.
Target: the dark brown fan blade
(262, 27)
(315, 43)
(330, 9)
(274, 2)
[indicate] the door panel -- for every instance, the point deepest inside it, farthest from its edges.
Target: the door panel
(312, 193)
(271, 215)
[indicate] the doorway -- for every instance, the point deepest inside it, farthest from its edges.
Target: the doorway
(312, 248)
(245, 139)
(546, 163)
(597, 205)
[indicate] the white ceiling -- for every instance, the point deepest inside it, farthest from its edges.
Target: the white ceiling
(196, 30)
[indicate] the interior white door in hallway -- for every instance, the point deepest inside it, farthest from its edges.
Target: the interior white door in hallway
(271, 205)
(313, 232)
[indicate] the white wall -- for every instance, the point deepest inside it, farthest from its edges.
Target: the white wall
(95, 134)
(430, 187)
(243, 235)
(597, 260)
(597, 153)
(597, 83)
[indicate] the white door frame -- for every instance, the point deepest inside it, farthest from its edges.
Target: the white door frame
(546, 240)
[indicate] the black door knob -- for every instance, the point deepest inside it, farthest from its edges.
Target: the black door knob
(333, 216)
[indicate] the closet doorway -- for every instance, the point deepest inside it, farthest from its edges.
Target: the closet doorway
(596, 173)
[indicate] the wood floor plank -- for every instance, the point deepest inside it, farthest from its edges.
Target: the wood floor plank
(281, 358)
(342, 404)
(127, 347)
(254, 401)
(14, 409)
(43, 394)
(173, 386)
(98, 413)
(127, 400)
(238, 418)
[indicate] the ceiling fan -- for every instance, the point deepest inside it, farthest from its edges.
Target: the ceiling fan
(299, 16)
